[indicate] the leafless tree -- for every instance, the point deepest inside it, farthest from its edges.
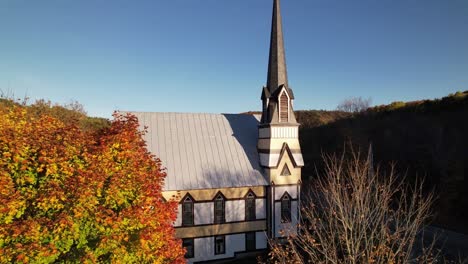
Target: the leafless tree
(9, 95)
(75, 106)
(357, 214)
(354, 104)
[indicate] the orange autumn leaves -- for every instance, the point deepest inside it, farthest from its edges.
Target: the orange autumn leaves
(68, 195)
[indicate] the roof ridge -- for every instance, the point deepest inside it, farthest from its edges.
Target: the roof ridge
(183, 113)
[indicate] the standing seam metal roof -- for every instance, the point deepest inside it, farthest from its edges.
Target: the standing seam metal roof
(204, 151)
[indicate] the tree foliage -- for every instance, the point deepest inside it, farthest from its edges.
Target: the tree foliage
(69, 195)
(71, 113)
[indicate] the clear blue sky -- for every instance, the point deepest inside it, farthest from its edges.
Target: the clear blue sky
(212, 55)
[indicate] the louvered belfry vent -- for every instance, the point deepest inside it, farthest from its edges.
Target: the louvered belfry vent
(284, 108)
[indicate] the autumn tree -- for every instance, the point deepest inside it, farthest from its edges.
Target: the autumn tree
(68, 195)
(357, 214)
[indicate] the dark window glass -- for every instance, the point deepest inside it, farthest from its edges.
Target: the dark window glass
(220, 246)
(286, 209)
(250, 241)
(219, 210)
(250, 207)
(187, 212)
(187, 243)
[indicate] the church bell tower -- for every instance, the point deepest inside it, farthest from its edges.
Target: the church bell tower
(278, 141)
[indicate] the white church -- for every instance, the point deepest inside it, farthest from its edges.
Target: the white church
(237, 177)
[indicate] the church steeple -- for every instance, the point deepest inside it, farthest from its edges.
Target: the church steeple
(278, 145)
(277, 96)
(277, 73)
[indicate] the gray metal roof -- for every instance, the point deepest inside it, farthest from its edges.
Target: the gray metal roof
(204, 151)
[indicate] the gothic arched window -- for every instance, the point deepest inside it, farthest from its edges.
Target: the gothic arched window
(284, 107)
(187, 211)
(286, 208)
(219, 216)
(250, 207)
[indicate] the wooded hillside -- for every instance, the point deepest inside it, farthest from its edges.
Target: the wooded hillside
(72, 113)
(427, 138)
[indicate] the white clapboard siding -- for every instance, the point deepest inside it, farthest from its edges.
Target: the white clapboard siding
(235, 210)
(260, 208)
(204, 248)
(204, 213)
(285, 227)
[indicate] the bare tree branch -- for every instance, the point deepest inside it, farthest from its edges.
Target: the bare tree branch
(354, 105)
(357, 214)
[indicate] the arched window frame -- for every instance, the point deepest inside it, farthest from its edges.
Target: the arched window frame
(280, 100)
(187, 210)
(219, 208)
(286, 208)
(250, 206)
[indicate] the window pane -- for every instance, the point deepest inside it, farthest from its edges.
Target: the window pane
(250, 241)
(219, 245)
(219, 205)
(250, 209)
(219, 210)
(187, 213)
(188, 207)
(187, 219)
(189, 246)
(286, 209)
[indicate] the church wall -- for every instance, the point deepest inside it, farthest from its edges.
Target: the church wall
(278, 179)
(272, 144)
(203, 213)
(234, 216)
(178, 221)
(204, 248)
(278, 132)
(234, 204)
(209, 194)
(220, 229)
(282, 229)
(260, 212)
(261, 240)
(235, 210)
(280, 190)
(269, 159)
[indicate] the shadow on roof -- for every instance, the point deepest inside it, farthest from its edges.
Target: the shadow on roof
(245, 131)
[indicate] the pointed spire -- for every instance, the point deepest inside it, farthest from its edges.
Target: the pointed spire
(277, 73)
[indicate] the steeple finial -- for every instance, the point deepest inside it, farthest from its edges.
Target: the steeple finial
(277, 73)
